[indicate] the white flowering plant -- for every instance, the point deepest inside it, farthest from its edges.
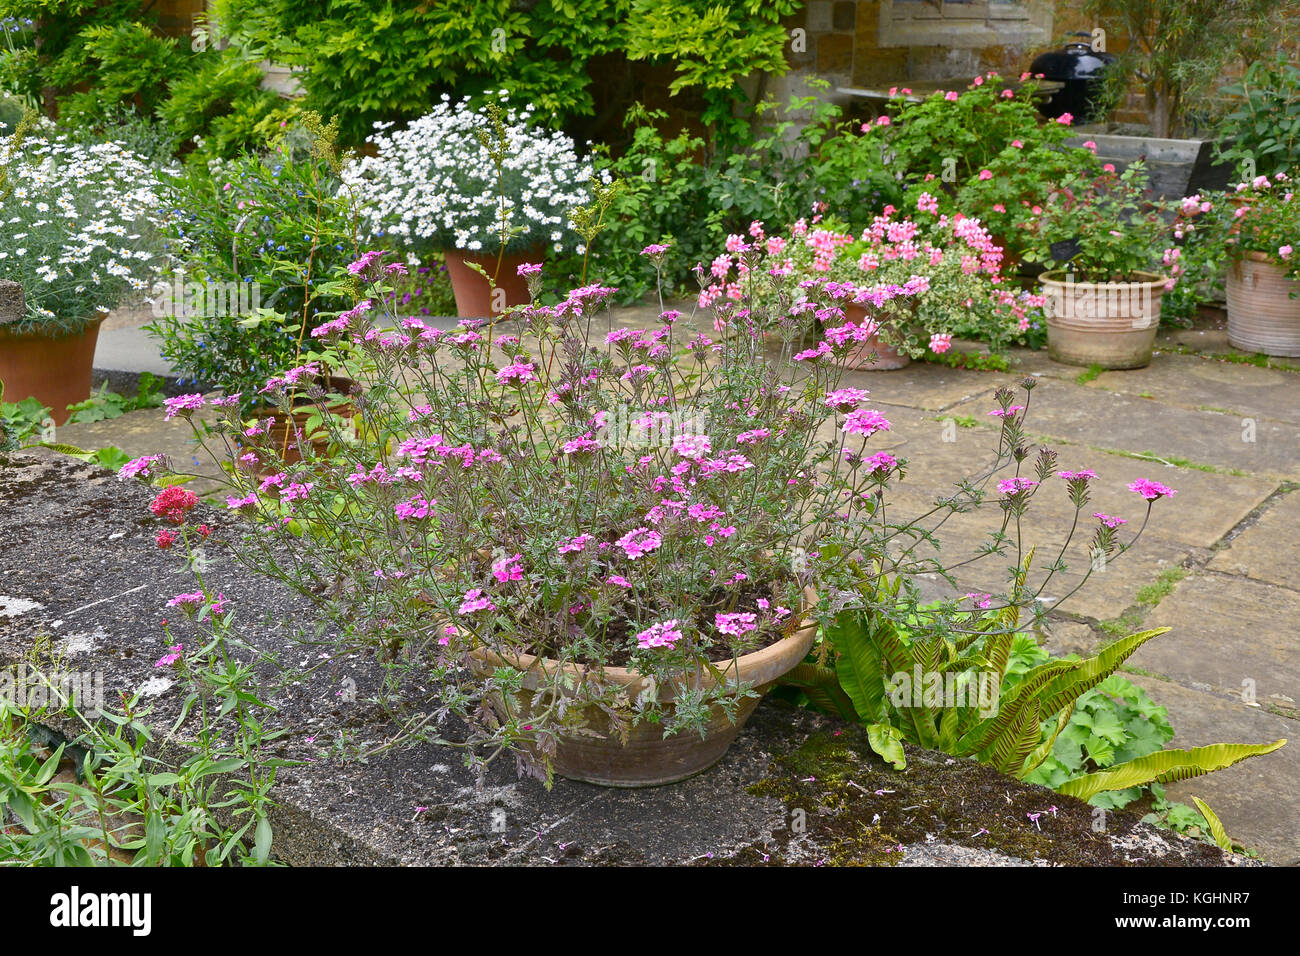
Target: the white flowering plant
(473, 180)
(78, 226)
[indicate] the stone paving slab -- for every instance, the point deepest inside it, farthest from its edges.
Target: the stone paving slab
(926, 386)
(146, 432)
(1227, 630)
(1257, 800)
(420, 806)
(1192, 382)
(1069, 412)
(1269, 550)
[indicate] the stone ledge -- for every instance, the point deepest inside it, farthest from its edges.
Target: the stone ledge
(79, 565)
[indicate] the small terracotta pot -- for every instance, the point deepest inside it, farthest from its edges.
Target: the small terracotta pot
(54, 369)
(1262, 315)
(649, 759)
(474, 298)
(1111, 324)
(871, 355)
(285, 440)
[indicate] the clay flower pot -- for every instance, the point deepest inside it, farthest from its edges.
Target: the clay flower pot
(54, 369)
(285, 439)
(1111, 324)
(871, 355)
(474, 295)
(1262, 315)
(649, 759)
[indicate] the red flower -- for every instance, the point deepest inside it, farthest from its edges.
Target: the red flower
(173, 503)
(165, 539)
(204, 530)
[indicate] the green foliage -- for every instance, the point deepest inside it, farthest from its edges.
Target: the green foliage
(104, 798)
(1167, 766)
(367, 61)
(105, 60)
(221, 100)
(993, 694)
(677, 190)
(124, 62)
(1120, 232)
(1261, 135)
(712, 44)
(1178, 50)
(104, 404)
(20, 420)
(279, 225)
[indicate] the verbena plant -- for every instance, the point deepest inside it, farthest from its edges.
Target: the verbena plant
(594, 495)
(78, 228)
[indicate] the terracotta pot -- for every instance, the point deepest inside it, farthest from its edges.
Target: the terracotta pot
(55, 369)
(474, 299)
(871, 355)
(285, 440)
(1111, 324)
(1262, 315)
(649, 759)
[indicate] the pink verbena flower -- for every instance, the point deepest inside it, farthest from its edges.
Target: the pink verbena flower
(664, 634)
(865, 422)
(138, 467)
(182, 405)
(638, 542)
(1150, 490)
(576, 543)
(845, 399)
(736, 624)
(1015, 486)
(1007, 412)
(1110, 521)
(475, 601)
(508, 569)
(517, 371)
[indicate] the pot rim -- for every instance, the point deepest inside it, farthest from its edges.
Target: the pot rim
(92, 325)
(756, 663)
(1156, 281)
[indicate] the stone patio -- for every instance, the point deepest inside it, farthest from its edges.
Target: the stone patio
(1225, 434)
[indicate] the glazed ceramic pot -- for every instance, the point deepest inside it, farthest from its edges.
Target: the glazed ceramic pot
(647, 758)
(1110, 324)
